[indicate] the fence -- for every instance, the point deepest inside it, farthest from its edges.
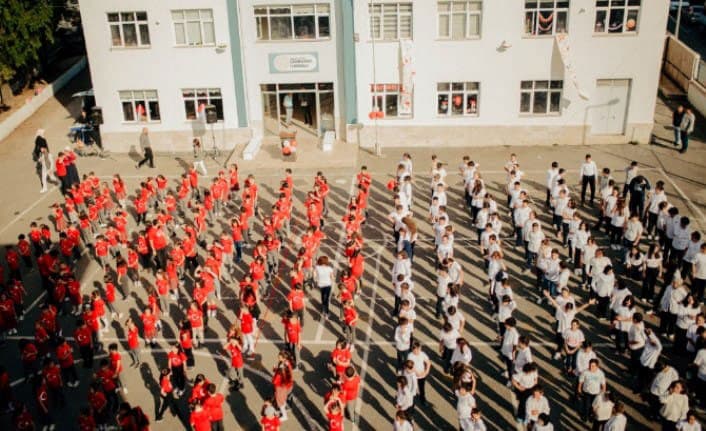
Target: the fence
(701, 73)
(680, 62)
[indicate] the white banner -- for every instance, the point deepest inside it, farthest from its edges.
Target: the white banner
(564, 46)
(407, 78)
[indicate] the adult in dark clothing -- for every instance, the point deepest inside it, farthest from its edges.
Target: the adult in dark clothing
(638, 188)
(39, 143)
(146, 149)
(677, 117)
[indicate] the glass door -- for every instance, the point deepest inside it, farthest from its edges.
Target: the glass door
(325, 118)
(270, 108)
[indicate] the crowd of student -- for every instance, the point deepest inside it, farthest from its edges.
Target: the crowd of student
(171, 257)
(651, 244)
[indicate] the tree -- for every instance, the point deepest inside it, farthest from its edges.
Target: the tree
(25, 25)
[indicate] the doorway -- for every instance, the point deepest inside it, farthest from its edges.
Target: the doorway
(311, 107)
(611, 108)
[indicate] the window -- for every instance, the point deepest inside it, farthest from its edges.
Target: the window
(301, 21)
(546, 17)
(194, 27)
(540, 97)
(386, 98)
(457, 98)
(194, 98)
(459, 19)
(617, 16)
(140, 105)
(129, 29)
(390, 21)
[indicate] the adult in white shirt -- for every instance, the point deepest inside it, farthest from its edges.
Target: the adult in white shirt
(447, 344)
(617, 421)
(648, 359)
(422, 366)
(465, 403)
(536, 405)
(656, 197)
(663, 379)
(602, 409)
(551, 174)
(405, 396)
(675, 405)
(588, 172)
(680, 241)
(324, 277)
(691, 423)
(524, 382)
(591, 383)
(692, 250)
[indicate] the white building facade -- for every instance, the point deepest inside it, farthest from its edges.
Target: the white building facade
(455, 73)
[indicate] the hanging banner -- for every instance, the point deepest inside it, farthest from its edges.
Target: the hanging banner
(407, 79)
(564, 46)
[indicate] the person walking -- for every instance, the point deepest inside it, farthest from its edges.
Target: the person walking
(677, 117)
(39, 143)
(686, 128)
(324, 277)
(146, 147)
(199, 164)
(588, 173)
(45, 168)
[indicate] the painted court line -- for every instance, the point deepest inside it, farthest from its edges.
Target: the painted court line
(366, 343)
(28, 209)
(694, 207)
(337, 255)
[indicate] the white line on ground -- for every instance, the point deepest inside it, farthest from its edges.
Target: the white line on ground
(702, 218)
(337, 255)
(360, 344)
(367, 342)
(28, 209)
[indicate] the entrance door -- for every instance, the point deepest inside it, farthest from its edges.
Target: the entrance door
(271, 113)
(610, 109)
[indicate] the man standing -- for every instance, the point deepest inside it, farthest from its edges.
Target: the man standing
(686, 128)
(288, 105)
(146, 149)
(677, 117)
(588, 173)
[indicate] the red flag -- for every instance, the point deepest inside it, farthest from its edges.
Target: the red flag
(140, 110)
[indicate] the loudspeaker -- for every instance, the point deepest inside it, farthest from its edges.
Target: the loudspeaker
(97, 115)
(211, 115)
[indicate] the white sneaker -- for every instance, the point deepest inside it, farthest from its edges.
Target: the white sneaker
(557, 356)
(44, 190)
(540, 300)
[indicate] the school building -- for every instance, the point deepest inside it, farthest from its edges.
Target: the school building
(402, 73)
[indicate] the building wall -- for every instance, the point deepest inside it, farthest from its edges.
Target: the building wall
(615, 56)
(163, 67)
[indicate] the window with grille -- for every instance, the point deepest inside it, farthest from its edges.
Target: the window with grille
(457, 98)
(617, 16)
(293, 22)
(196, 99)
(540, 97)
(390, 21)
(194, 27)
(140, 105)
(129, 29)
(546, 17)
(459, 19)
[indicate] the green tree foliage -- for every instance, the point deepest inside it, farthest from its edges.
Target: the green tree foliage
(25, 25)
